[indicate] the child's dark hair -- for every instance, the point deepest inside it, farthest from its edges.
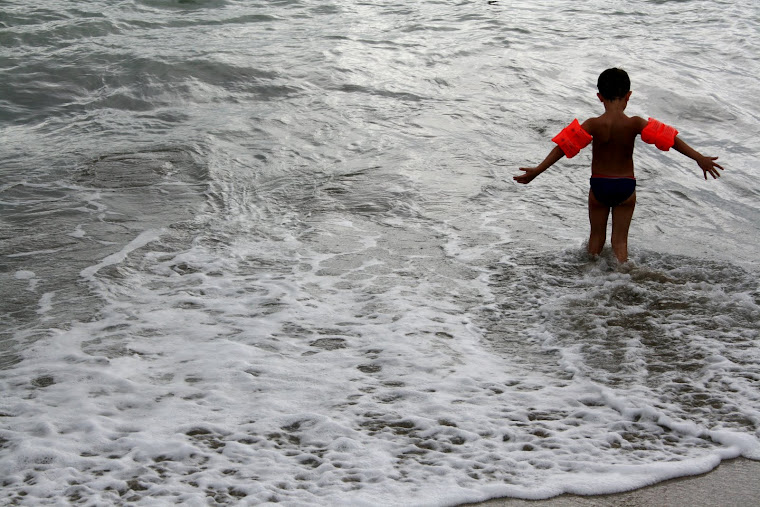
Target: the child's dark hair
(613, 84)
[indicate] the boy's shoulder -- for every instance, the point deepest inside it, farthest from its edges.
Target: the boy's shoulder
(605, 121)
(639, 122)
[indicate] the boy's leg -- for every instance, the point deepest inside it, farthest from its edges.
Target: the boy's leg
(621, 222)
(597, 215)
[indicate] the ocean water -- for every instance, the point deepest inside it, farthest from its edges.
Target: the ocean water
(272, 252)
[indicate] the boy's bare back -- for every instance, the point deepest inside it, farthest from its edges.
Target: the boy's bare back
(614, 136)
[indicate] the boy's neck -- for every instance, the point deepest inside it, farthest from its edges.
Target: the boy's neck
(615, 106)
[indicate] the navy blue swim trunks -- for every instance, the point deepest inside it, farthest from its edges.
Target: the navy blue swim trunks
(612, 191)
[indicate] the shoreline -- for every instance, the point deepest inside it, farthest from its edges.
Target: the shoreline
(735, 482)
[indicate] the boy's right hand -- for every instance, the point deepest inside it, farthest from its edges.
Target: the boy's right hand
(708, 165)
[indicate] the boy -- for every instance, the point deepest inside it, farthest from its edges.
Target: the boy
(613, 186)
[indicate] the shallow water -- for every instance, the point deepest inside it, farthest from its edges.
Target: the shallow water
(272, 252)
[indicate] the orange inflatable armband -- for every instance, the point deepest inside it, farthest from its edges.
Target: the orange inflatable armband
(661, 135)
(572, 139)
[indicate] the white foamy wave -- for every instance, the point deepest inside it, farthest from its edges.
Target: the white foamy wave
(360, 375)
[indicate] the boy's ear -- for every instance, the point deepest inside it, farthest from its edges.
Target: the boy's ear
(601, 99)
(628, 95)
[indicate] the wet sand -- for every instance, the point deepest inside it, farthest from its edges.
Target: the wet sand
(734, 483)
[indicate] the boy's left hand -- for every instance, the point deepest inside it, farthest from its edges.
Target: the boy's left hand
(530, 174)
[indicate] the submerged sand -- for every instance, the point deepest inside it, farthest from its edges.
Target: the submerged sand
(735, 483)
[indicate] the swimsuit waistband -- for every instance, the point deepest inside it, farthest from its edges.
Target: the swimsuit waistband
(604, 176)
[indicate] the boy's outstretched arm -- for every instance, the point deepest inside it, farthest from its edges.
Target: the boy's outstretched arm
(707, 164)
(531, 172)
